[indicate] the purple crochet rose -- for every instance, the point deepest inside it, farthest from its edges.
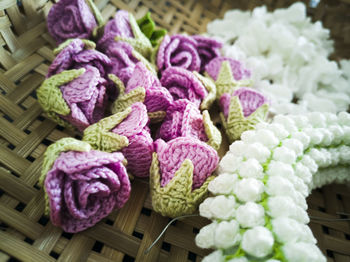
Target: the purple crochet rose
(139, 151)
(183, 84)
(183, 119)
(118, 26)
(84, 187)
(208, 49)
(171, 155)
(250, 101)
(238, 71)
(157, 98)
(70, 19)
(86, 98)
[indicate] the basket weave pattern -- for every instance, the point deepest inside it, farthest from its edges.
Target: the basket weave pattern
(26, 234)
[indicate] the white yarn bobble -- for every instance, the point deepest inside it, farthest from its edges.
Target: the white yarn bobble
(344, 119)
(317, 119)
(223, 184)
(223, 207)
(335, 156)
(287, 122)
(238, 259)
(227, 234)
(215, 256)
(344, 153)
(346, 135)
(205, 237)
(321, 156)
(301, 121)
(257, 151)
(249, 189)
(257, 242)
(284, 154)
(229, 163)
(337, 132)
(328, 137)
(302, 252)
(302, 137)
(295, 145)
(303, 172)
(204, 208)
(279, 131)
(316, 136)
(250, 168)
(250, 215)
(310, 163)
(248, 136)
(331, 119)
(237, 148)
(267, 138)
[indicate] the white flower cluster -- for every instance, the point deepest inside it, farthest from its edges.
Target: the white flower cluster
(288, 56)
(259, 211)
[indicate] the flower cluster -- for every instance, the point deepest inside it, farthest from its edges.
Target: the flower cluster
(259, 211)
(288, 56)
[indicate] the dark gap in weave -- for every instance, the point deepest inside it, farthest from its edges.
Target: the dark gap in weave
(60, 128)
(54, 254)
(146, 211)
(79, 137)
(295, 100)
(137, 234)
(29, 240)
(3, 92)
(43, 220)
(1, 193)
(30, 158)
(41, 118)
(128, 259)
(36, 186)
(195, 230)
(98, 247)
(10, 146)
(192, 256)
(8, 118)
(22, 106)
(67, 235)
(218, 125)
(27, 131)
(46, 142)
(325, 230)
(347, 236)
(322, 209)
(339, 197)
(109, 222)
(330, 253)
(12, 259)
(14, 174)
(20, 207)
(3, 226)
(33, 94)
(166, 246)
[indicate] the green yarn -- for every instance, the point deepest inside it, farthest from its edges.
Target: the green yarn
(210, 87)
(176, 198)
(87, 45)
(148, 27)
(213, 134)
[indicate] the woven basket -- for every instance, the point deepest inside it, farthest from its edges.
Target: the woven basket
(27, 235)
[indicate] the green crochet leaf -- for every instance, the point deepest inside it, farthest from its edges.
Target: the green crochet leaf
(100, 137)
(157, 116)
(213, 134)
(87, 45)
(148, 27)
(148, 65)
(125, 100)
(96, 12)
(211, 88)
(52, 153)
(176, 198)
(236, 123)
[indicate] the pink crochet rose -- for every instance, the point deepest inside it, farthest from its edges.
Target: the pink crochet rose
(208, 49)
(139, 151)
(250, 101)
(238, 71)
(84, 187)
(184, 119)
(183, 84)
(70, 19)
(171, 155)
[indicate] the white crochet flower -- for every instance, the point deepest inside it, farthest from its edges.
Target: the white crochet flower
(205, 237)
(204, 208)
(284, 154)
(256, 151)
(279, 130)
(317, 119)
(257, 242)
(267, 138)
(238, 148)
(284, 206)
(301, 121)
(250, 168)
(223, 207)
(302, 252)
(248, 136)
(229, 163)
(249, 189)
(295, 145)
(215, 256)
(223, 184)
(302, 137)
(287, 122)
(227, 234)
(250, 215)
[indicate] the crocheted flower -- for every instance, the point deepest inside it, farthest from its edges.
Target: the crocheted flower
(126, 131)
(238, 71)
(74, 97)
(183, 119)
(180, 172)
(123, 27)
(183, 84)
(73, 19)
(242, 111)
(143, 86)
(188, 52)
(82, 185)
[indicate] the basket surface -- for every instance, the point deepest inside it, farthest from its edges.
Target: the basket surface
(25, 54)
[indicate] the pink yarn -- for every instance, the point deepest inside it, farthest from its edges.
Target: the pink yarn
(238, 71)
(84, 187)
(184, 119)
(171, 155)
(208, 48)
(140, 149)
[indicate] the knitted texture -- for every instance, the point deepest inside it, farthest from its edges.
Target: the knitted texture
(259, 211)
(237, 69)
(183, 119)
(72, 19)
(183, 84)
(148, 28)
(127, 131)
(188, 52)
(84, 187)
(123, 27)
